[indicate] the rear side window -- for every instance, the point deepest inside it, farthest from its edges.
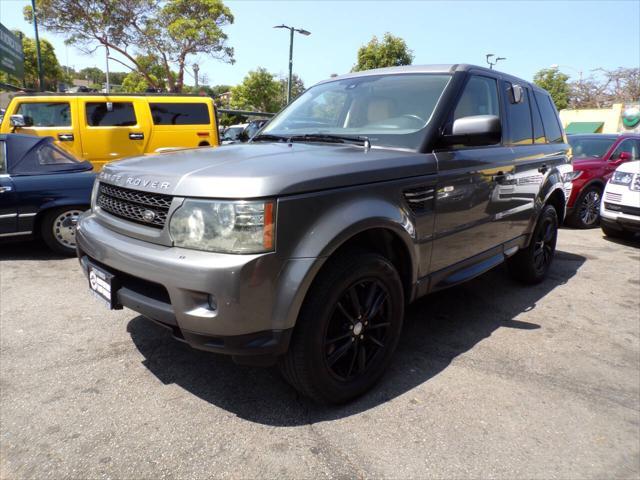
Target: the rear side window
(549, 118)
(47, 155)
(3, 158)
(120, 115)
(519, 117)
(538, 130)
(180, 113)
(629, 146)
(480, 97)
(50, 114)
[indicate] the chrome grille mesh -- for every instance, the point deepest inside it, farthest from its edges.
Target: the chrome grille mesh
(134, 205)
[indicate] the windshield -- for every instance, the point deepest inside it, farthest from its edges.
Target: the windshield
(590, 147)
(390, 110)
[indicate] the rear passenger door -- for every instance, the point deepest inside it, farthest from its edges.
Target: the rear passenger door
(113, 129)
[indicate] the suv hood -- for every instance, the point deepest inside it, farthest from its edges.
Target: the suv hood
(264, 169)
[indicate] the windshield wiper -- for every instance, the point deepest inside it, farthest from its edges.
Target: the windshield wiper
(330, 137)
(267, 137)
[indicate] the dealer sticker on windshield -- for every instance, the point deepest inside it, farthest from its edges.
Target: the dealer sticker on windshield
(101, 283)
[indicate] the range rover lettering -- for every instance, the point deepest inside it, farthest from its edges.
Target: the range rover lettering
(302, 247)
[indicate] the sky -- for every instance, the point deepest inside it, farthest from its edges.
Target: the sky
(575, 35)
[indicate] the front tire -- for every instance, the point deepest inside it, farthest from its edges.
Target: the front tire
(531, 264)
(58, 229)
(587, 209)
(347, 330)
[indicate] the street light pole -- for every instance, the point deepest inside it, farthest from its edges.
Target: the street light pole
(35, 27)
(301, 31)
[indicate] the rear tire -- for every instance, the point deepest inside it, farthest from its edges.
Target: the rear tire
(532, 264)
(586, 213)
(347, 330)
(58, 229)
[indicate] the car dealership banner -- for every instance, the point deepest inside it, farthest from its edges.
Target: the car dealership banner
(11, 57)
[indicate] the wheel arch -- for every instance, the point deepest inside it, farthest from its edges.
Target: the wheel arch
(48, 207)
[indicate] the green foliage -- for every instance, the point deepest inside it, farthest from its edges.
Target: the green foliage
(297, 87)
(93, 74)
(135, 82)
(51, 67)
(171, 31)
(556, 83)
(390, 52)
(258, 91)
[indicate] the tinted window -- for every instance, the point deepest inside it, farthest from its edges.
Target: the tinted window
(179, 113)
(47, 155)
(519, 115)
(121, 115)
(538, 130)
(480, 97)
(628, 146)
(549, 118)
(45, 114)
(3, 161)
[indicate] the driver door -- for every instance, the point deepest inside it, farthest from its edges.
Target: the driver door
(8, 204)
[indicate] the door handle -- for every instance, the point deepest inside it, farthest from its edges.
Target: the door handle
(65, 137)
(136, 136)
(5, 189)
(543, 169)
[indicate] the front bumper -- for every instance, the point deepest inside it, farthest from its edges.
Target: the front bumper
(217, 302)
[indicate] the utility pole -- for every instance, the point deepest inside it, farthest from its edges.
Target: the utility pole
(35, 27)
(301, 31)
(106, 57)
(196, 69)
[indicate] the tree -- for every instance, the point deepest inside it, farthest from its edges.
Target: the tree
(392, 51)
(297, 87)
(135, 82)
(93, 74)
(52, 71)
(605, 88)
(556, 83)
(259, 90)
(172, 30)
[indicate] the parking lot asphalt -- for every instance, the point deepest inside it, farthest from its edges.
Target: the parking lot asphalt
(491, 379)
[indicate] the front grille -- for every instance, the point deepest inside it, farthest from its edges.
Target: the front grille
(134, 205)
(622, 209)
(613, 197)
(636, 182)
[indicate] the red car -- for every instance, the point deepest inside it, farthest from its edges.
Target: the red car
(595, 157)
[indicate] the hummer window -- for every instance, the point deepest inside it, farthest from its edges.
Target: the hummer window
(179, 113)
(49, 114)
(121, 114)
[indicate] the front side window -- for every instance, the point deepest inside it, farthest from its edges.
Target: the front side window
(480, 97)
(390, 110)
(179, 113)
(49, 114)
(519, 117)
(48, 155)
(628, 146)
(110, 114)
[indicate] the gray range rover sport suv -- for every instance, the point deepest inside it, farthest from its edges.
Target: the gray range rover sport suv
(303, 247)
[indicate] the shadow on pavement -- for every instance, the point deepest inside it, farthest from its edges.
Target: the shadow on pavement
(27, 250)
(437, 329)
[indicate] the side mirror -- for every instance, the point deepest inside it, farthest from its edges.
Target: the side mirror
(17, 121)
(624, 157)
(476, 130)
(518, 94)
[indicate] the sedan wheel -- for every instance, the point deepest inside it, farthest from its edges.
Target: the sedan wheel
(58, 229)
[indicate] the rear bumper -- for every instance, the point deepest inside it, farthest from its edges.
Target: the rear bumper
(215, 302)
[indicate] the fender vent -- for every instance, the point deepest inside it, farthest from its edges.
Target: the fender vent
(420, 199)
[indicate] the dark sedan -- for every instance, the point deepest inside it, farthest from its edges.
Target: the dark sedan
(43, 189)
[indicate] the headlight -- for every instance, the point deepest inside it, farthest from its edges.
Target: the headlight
(570, 176)
(223, 226)
(621, 178)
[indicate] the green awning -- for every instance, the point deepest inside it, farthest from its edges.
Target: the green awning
(584, 127)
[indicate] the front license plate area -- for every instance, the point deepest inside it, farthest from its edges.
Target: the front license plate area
(103, 286)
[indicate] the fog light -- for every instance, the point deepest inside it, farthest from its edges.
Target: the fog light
(213, 303)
